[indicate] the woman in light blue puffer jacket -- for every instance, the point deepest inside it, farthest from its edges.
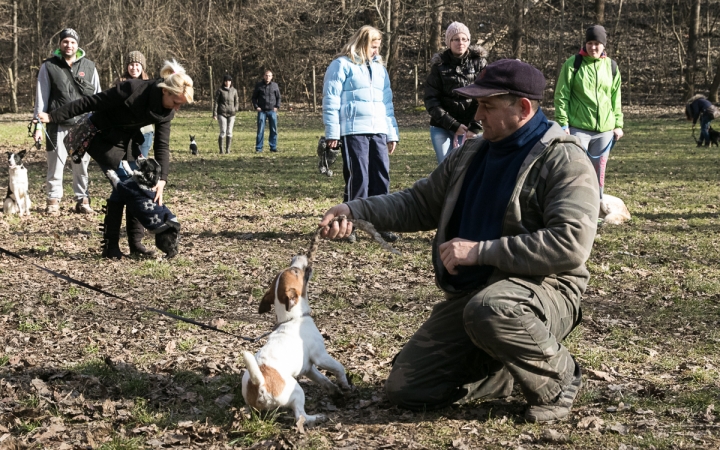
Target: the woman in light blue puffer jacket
(358, 110)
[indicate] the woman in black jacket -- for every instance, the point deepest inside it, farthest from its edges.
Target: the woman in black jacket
(452, 117)
(117, 116)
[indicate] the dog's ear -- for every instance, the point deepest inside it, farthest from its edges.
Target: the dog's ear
(269, 298)
(22, 154)
(292, 298)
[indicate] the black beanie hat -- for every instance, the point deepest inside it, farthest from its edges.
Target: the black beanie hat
(596, 33)
(227, 77)
(69, 32)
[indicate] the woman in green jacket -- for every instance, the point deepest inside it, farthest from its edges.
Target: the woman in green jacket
(587, 100)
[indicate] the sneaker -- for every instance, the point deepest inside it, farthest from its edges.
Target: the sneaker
(560, 408)
(52, 206)
(258, 150)
(352, 238)
(83, 207)
(273, 150)
(389, 236)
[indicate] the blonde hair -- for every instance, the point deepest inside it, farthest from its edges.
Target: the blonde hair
(358, 47)
(176, 80)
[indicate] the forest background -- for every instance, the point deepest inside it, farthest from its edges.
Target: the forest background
(667, 50)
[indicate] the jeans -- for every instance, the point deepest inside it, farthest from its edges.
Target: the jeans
(227, 124)
(442, 141)
(56, 160)
(271, 117)
(145, 147)
(597, 145)
(705, 119)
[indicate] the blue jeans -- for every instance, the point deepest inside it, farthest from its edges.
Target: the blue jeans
(122, 174)
(271, 117)
(366, 165)
(145, 147)
(442, 141)
(705, 119)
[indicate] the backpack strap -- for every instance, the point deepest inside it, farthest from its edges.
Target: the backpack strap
(579, 59)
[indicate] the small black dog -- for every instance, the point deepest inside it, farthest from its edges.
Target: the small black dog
(137, 195)
(193, 145)
(714, 137)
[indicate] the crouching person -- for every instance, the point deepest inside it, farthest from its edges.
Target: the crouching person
(516, 214)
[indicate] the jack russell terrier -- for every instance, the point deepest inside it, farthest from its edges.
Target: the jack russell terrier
(17, 199)
(613, 210)
(294, 348)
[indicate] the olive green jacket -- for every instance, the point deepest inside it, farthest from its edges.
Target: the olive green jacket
(549, 224)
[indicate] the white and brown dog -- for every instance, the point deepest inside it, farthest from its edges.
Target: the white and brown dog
(613, 210)
(17, 199)
(295, 348)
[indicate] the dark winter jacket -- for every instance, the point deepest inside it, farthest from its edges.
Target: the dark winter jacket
(69, 83)
(119, 113)
(447, 109)
(697, 106)
(226, 102)
(266, 96)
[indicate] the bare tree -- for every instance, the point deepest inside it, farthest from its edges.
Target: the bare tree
(692, 54)
(600, 11)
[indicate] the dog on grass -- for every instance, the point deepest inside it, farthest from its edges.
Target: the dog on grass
(17, 199)
(295, 348)
(714, 137)
(613, 210)
(139, 198)
(193, 145)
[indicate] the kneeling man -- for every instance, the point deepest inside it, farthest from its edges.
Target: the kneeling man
(516, 214)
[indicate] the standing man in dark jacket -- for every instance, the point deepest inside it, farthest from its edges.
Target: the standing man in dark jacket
(266, 101)
(452, 115)
(66, 76)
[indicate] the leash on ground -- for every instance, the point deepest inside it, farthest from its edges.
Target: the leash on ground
(146, 308)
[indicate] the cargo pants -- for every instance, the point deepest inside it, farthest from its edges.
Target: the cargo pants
(476, 346)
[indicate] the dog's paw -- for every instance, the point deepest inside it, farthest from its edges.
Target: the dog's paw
(314, 420)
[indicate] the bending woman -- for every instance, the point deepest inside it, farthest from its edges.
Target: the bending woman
(358, 109)
(587, 100)
(699, 107)
(119, 114)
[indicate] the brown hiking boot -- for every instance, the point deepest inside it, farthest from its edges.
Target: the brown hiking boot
(52, 207)
(560, 408)
(83, 207)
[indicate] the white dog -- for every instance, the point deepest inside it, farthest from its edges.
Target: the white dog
(613, 210)
(295, 348)
(17, 200)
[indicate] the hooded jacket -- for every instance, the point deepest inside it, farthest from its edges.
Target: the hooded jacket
(589, 99)
(549, 223)
(357, 99)
(447, 109)
(119, 113)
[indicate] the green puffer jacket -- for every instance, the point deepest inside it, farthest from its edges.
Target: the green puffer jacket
(590, 98)
(549, 224)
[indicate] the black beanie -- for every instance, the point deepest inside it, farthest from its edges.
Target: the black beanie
(227, 77)
(69, 32)
(596, 33)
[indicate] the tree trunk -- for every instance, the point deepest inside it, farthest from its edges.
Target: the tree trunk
(600, 11)
(693, 40)
(435, 40)
(394, 50)
(14, 80)
(715, 86)
(518, 30)
(40, 45)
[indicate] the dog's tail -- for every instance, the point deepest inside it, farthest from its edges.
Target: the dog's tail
(256, 375)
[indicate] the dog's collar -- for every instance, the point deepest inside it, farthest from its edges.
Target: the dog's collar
(277, 325)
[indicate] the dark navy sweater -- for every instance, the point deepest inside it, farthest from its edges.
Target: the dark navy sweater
(486, 192)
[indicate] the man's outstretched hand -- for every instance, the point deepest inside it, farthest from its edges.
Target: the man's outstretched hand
(338, 229)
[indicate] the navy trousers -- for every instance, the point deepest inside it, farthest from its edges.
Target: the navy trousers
(366, 165)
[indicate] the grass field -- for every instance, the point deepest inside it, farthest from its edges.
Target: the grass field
(80, 370)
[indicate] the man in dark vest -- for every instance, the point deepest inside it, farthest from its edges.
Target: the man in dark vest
(66, 76)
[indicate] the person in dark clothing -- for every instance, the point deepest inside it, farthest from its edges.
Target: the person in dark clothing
(226, 105)
(119, 114)
(266, 101)
(452, 115)
(699, 107)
